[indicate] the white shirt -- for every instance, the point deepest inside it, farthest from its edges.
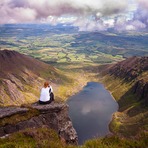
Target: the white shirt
(45, 96)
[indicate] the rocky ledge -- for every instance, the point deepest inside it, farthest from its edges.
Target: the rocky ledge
(54, 115)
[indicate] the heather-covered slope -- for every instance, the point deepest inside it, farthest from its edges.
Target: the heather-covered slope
(128, 83)
(21, 77)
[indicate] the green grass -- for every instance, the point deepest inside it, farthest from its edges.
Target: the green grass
(34, 138)
(48, 138)
(118, 142)
(116, 86)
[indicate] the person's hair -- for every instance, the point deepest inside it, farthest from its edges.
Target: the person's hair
(46, 84)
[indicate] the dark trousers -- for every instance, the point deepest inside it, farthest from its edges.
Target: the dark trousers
(51, 96)
(48, 102)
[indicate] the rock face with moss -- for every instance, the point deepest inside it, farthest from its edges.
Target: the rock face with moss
(54, 116)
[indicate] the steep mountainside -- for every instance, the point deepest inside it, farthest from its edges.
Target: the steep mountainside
(133, 70)
(21, 77)
(128, 82)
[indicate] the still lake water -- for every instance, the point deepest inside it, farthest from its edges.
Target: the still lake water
(91, 111)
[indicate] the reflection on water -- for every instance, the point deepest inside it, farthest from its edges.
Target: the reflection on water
(91, 110)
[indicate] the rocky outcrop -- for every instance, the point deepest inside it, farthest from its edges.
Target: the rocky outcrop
(54, 115)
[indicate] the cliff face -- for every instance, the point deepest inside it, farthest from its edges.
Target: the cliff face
(54, 116)
(133, 70)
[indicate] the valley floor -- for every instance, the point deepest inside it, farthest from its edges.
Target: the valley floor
(79, 74)
(132, 117)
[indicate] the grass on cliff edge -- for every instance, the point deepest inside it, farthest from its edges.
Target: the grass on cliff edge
(118, 142)
(34, 138)
(48, 138)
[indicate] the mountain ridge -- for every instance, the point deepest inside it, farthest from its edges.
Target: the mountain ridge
(130, 68)
(12, 61)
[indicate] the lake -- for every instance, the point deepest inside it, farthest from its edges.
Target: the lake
(91, 111)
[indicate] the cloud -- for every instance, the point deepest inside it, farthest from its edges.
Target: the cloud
(11, 14)
(143, 3)
(88, 15)
(20, 11)
(141, 14)
(137, 19)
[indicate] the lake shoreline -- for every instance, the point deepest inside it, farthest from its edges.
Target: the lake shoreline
(83, 110)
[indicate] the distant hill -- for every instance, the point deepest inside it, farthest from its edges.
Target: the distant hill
(128, 82)
(21, 77)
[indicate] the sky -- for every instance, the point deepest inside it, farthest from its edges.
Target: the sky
(88, 15)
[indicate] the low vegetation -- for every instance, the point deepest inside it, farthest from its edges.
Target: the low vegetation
(116, 142)
(34, 138)
(48, 138)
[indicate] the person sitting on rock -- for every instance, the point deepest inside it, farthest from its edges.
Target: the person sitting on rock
(46, 95)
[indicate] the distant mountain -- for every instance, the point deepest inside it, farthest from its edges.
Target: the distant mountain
(21, 77)
(128, 82)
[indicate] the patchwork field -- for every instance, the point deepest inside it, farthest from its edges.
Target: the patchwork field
(65, 44)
